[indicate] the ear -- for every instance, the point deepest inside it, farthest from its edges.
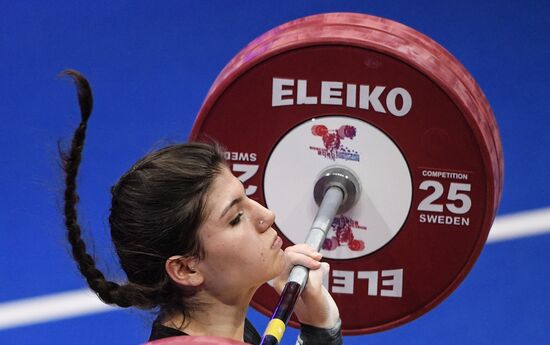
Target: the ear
(182, 270)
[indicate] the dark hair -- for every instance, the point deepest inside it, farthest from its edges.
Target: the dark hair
(157, 208)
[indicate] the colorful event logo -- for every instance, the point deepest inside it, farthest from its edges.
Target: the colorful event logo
(332, 141)
(343, 234)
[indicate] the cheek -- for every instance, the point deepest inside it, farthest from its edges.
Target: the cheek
(232, 251)
(252, 255)
(250, 259)
(244, 257)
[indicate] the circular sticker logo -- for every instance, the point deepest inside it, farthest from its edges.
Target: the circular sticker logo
(307, 149)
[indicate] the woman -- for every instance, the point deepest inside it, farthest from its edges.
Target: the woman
(193, 246)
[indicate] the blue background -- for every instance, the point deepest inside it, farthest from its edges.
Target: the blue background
(151, 65)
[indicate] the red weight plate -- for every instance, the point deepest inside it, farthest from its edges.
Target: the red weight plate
(364, 92)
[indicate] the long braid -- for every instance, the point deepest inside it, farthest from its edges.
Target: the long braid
(108, 291)
(157, 208)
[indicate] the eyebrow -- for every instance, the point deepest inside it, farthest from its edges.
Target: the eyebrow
(231, 204)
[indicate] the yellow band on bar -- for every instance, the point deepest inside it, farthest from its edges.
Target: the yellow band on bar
(276, 328)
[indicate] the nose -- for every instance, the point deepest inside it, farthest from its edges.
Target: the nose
(265, 217)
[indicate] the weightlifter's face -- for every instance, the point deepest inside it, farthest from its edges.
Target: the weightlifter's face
(242, 249)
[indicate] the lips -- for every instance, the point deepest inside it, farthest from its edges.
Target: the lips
(277, 243)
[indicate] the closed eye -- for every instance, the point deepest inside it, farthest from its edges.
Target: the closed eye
(237, 219)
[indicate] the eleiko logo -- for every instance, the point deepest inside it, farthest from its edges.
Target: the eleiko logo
(332, 141)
